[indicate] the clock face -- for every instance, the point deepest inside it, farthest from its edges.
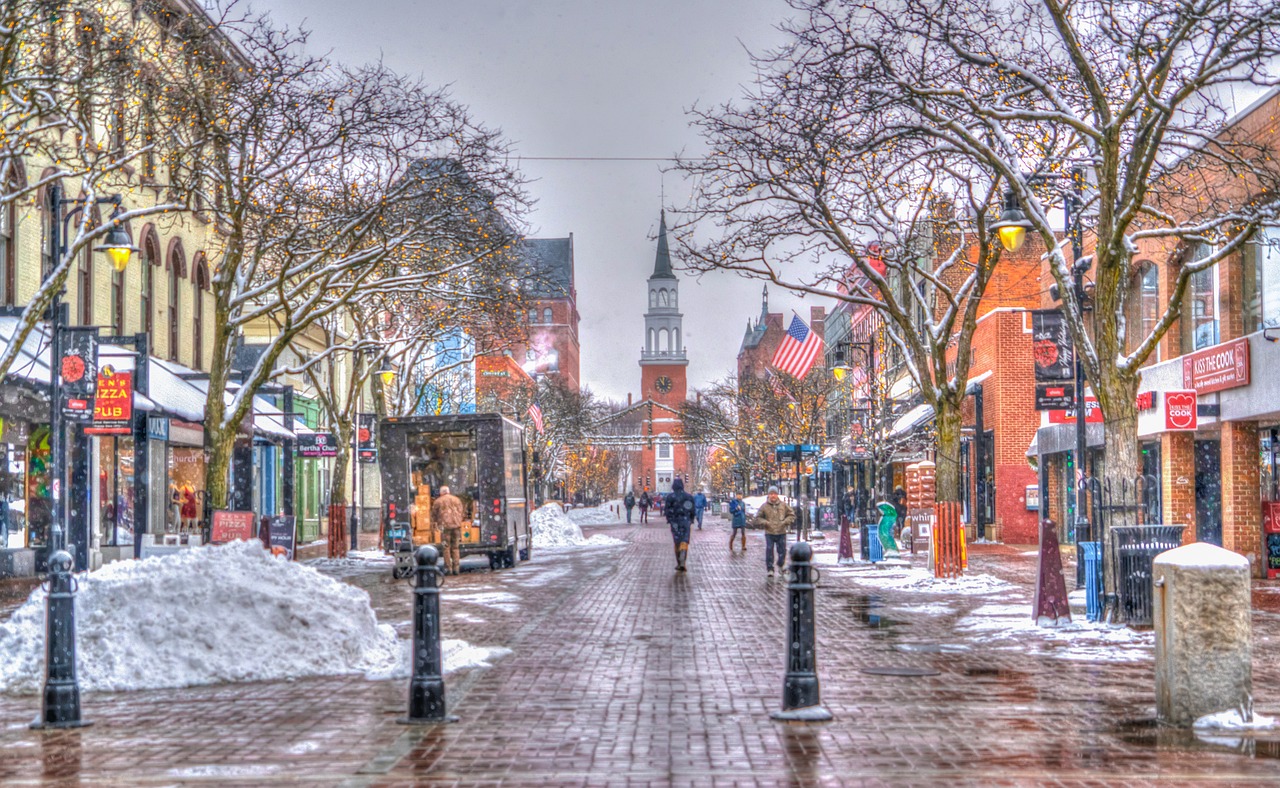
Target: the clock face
(663, 384)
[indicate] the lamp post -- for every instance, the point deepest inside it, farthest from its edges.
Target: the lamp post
(1012, 231)
(118, 248)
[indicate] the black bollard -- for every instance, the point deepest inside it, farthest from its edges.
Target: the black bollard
(61, 703)
(800, 702)
(426, 687)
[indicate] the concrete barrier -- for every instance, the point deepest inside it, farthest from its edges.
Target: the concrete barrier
(1204, 640)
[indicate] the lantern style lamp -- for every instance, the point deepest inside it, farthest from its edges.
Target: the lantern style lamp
(1012, 226)
(118, 246)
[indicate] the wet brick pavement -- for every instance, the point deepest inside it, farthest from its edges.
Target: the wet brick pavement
(623, 672)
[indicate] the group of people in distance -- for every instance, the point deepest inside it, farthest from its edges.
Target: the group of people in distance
(683, 510)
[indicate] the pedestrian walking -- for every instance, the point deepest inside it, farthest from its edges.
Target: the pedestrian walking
(630, 502)
(678, 509)
(738, 519)
(447, 513)
(776, 517)
(645, 503)
(699, 504)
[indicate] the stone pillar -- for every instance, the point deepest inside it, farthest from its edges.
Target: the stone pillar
(1241, 500)
(1178, 482)
(1203, 633)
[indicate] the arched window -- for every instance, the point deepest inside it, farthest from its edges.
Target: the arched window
(200, 278)
(1144, 304)
(649, 345)
(546, 314)
(12, 180)
(84, 284)
(46, 260)
(674, 298)
(662, 297)
(664, 448)
(176, 269)
(150, 260)
(653, 298)
(664, 340)
(533, 316)
(675, 339)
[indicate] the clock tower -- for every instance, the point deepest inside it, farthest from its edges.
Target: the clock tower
(663, 382)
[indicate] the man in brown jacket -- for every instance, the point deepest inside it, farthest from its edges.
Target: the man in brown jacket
(776, 518)
(447, 512)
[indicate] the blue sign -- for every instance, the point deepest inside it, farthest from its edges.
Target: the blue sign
(824, 466)
(158, 428)
(809, 448)
(786, 447)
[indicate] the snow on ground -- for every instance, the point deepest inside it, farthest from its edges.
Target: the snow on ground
(498, 600)
(210, 615)
(1011, 625)
(552, 528)
(900, 577)
(1233, 721)
(595, 515)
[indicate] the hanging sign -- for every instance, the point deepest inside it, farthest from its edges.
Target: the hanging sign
(366, 438)
(1055, 396)
(75, 370)
(113, 403)
(1180, 411)
(1051, 346)
(315, 445)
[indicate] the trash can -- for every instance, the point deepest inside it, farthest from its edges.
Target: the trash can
(864, 541)
(1133, 550)
(1091, 558)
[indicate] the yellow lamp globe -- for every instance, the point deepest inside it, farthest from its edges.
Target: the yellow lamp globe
(118, 246)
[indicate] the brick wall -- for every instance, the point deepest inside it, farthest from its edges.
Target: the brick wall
(1241, 507)
(1177, 480)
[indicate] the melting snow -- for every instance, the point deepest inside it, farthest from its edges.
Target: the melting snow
(920, 580)
(1233, 721)
(596, 515)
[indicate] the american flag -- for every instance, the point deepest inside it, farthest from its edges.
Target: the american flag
(798, 350)
(535, 413)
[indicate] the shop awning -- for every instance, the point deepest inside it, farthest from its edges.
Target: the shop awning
(913, 418)
(902, 387)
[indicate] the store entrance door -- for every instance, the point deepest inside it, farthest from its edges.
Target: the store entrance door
(1209, 492)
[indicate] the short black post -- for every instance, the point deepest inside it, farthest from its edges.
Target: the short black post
(426, 687)
(61, 703)
(800, 702)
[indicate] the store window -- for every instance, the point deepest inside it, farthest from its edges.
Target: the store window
(115, 501)
(1200, 304)
(185, 511)
(1262, 281)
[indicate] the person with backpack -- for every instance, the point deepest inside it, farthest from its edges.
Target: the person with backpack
(738, 519)
(630, 502)
(699, 504)
(645, 502)
(678, 510)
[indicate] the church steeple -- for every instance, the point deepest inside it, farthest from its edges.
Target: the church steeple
(662, 262)
(764, 305)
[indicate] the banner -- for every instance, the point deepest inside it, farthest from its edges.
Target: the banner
(113, 404)
(76, 371)
(1055, 396)
(1051, 346)
(366, 437)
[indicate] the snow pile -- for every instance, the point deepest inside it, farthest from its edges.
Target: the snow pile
(204, 616)
(553, 528)
(920, 580)
(596, 515)
(1233, 720)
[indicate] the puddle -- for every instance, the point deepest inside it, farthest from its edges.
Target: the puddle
(865, 609)
(995, 673)
(1150, 733)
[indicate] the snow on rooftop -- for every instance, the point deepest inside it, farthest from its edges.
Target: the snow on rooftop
(1202, 555)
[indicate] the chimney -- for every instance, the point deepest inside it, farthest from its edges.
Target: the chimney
(628, 399)
(817, 320)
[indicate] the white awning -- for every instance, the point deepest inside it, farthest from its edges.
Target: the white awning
(911, 419)
(902, 387)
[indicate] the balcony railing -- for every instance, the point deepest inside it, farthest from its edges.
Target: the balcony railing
(647, 355)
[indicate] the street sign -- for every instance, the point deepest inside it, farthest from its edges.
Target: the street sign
(810, 448)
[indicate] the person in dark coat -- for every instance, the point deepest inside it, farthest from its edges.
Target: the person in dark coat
(630, 502)
(699, 504)
(738, 518)
(679, 511)
(645, 503)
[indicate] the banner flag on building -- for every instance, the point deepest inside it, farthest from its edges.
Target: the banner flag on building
(1051, 345)
(800, 346)
(535, 413)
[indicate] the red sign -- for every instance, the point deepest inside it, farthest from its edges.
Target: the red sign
(113, 407)
(1271, 517)
(1224, 366)
(230, 526)
(1180, 410)
(1092, 414)
(1146, 400)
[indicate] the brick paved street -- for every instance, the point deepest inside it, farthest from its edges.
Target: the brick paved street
(623, 672)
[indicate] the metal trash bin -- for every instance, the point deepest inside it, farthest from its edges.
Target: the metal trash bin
(864, 541)
(1133, 550)
(1091, 558)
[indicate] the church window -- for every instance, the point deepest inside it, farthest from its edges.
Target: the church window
(662, 297)
(664, 340)
(664, 448)
(653, 298)
(546, 315)
(675, 337)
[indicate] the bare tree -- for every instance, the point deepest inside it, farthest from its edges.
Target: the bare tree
(1134, 96)
(327, 183)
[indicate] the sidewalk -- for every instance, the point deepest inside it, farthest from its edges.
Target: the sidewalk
(624, 672)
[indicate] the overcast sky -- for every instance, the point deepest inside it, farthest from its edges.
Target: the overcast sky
(585, 78)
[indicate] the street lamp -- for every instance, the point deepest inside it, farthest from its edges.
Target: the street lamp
(1012, 231)
(119, 248)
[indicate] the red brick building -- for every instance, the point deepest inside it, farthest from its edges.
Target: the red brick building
(552, 318)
